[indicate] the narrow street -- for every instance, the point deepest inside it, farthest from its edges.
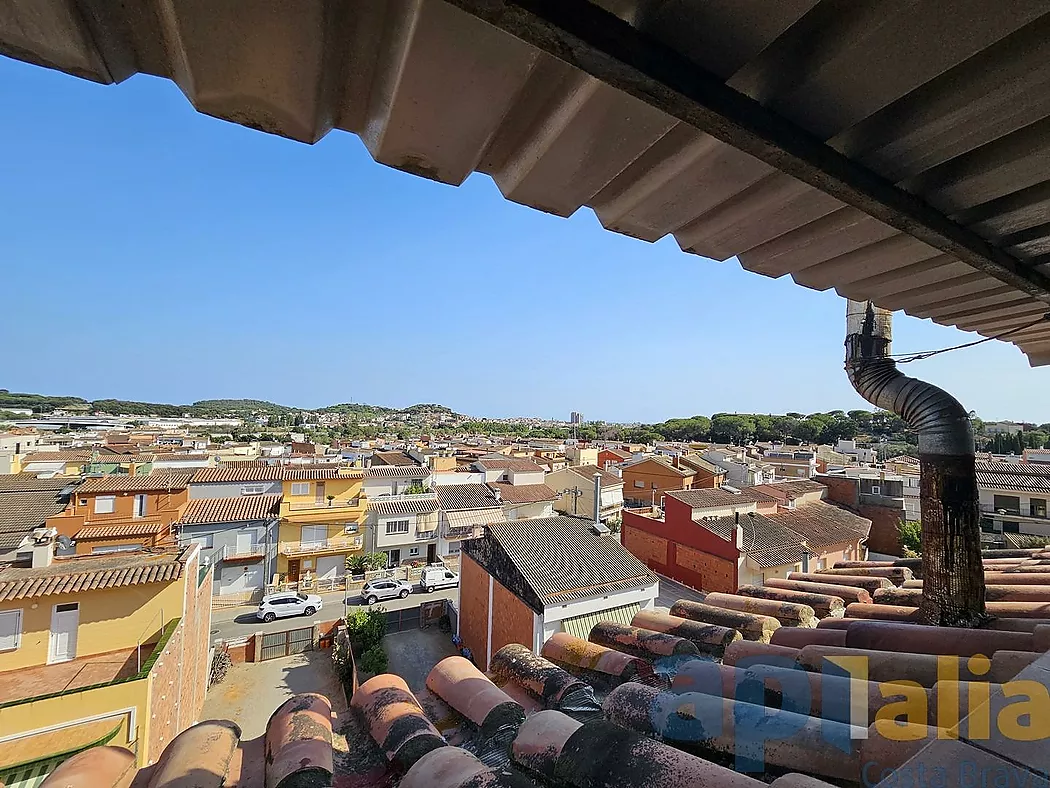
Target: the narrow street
(238, 622)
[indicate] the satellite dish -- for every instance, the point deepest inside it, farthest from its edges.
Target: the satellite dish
(64, 541)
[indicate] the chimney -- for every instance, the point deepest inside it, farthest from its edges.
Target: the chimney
(738, 532)
(597, 497)
(498, 495)
(43, 548)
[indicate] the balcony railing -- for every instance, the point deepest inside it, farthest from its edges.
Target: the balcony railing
(334, 545)
(426, 536)
(334, 504)
(425, 496)
(1029, 511)
(235, 552)
(464, 532)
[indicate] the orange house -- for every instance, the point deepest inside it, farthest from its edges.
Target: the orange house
(112, 513)
(646, 481)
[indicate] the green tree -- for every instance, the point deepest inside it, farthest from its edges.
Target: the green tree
(808, 431)
(732, 427)
(910, 533)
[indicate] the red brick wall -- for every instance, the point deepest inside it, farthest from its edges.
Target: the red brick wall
(512, 621)
(712, 572)
(681, 549)
(883, 536)
(473, 607)
(180, 672)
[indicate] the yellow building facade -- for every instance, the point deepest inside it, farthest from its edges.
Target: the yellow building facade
(322, 523)
(100, 650)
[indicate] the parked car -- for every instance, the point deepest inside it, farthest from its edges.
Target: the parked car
(283, 605)
(437, 577)
(384, 588)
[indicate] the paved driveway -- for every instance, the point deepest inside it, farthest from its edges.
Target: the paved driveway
(252, 691)
(411, 654)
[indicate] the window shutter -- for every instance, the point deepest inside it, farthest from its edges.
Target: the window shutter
(10, 629)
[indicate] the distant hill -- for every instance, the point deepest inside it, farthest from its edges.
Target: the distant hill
(205, 408)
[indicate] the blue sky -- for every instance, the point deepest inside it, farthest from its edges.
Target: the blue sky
(150, 252)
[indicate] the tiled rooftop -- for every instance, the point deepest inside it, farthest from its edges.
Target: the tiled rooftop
(606, 709)
(150, 482)
(84, 573)
(244, 508)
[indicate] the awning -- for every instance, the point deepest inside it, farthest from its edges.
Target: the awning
(580, 626)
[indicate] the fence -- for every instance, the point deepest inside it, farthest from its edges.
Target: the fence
(347, 583)
(283, 644)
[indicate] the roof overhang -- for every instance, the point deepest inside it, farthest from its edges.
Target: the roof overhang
(898, 154)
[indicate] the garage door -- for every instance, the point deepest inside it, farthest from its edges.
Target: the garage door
(238, 578)
(330, 567)
(580, 626)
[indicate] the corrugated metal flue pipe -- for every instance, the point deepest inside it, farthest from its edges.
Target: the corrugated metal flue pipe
(953, 591)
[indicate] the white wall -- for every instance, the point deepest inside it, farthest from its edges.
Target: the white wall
(526, 477)
(554, 615)
(522, 511)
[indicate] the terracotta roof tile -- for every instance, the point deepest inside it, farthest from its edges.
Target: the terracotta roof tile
(243, 508)
(588, 471)
(236, 472)
(119, 530)
(91, 572)
(718, 497)
(161, 480)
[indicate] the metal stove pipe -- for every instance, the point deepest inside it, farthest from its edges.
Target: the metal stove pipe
(953, 588)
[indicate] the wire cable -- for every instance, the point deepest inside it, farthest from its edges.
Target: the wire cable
(904, 358)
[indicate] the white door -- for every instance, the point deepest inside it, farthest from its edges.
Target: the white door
(63, 642)
(330, 567)
(244, 543)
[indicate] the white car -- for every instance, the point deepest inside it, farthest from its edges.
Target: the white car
(437, 577)
(384, 588)
(283, 605)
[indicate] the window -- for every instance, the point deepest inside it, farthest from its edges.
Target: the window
(105, 504)
(10, 629)
(314, 534)
(300, 488)
(256, 489)
(397, 527)
(876, 490)
(654, 485)
(1011, 528)
(413, 552)
(640, 485)
(206, 542)
(453, 548)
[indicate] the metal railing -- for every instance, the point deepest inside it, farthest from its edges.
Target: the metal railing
(335, 503)
(1032, 511)
(334, 544)
(424, 496)
(460, 532)
(233, 552)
